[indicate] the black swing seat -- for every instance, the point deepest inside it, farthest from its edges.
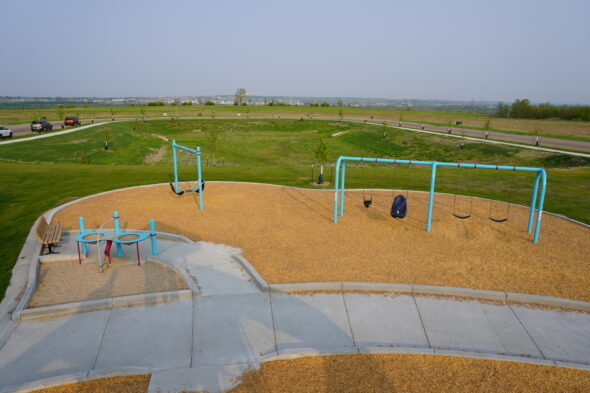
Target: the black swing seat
(180, 192)
(367, 202)
(399, 207)
(461, 217)
(174, 190)
(498, 219)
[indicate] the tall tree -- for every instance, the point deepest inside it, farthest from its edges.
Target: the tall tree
(521, 109)
(503, 110)
(240, 96)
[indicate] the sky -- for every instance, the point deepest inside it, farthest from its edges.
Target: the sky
(496, 50)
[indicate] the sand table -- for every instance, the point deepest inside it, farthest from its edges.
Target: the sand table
(288, 235)
(409, 373)
(66, 282)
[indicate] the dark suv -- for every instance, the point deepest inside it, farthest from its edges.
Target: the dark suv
(71, 121)
(41, 125)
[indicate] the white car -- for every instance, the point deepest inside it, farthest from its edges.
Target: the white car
(5, 132)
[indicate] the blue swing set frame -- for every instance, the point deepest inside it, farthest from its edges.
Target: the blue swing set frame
(540, 177)
(200, 183)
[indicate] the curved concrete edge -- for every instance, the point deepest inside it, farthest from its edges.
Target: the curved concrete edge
(7, 326)
(290, 354)
(413, 289)
(299, 353)
(22, 288)
(17, 304)
(258, 280)
(183, 273)
(67, 379)
(59, 310)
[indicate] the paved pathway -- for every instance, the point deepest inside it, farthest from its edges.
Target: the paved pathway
(230, 326)
(530, 139)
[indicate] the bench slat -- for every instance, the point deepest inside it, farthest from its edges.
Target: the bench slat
(41, 229)
(48, 234)
(55, 234)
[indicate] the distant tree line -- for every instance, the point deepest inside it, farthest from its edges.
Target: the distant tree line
(277, 103)
(523, 109)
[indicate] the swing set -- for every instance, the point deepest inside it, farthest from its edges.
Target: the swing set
(199, 185)
(399, 206)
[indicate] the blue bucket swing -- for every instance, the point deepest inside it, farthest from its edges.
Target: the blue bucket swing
(399, 206)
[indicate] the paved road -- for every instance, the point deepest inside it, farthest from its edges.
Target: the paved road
(231, 324)
(567, 144)
(25, 129)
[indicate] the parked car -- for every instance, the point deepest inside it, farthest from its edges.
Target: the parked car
(71, 121)
(5, 132)
(41, 125)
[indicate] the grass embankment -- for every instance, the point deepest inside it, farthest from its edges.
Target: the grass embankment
(555, 128)
(42, 174)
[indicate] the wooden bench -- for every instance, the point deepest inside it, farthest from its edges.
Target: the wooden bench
(48, 235)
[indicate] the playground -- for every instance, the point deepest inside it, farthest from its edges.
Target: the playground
(234, 278)
(288, 236)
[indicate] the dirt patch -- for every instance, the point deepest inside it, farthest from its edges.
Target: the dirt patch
(288, 236)
(162, 137)
(340, 133)
(131, 384)
(67, 282)
(156, 155)
(409, 373)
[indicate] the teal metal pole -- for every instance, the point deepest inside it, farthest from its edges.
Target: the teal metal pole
(83, 230)
(153, 237)
(200, 181)
(118, 231)
(431, 196)
(533, 202)
(541, 201)
(336, 182)
(342, 189)
(175, 165)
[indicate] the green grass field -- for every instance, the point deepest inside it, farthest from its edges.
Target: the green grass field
(41, 174)
(550, 128)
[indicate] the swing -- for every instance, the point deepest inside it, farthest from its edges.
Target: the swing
(399, 206)
(199, 184)
(192, 189)
(455, 212)
(506, 216)
(368, 202)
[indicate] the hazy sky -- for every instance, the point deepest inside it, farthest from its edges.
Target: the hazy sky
(470, 49)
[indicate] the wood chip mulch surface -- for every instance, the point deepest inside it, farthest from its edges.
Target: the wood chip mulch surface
(409, 373)
(131, 384)
(288, 236)
(378, 374)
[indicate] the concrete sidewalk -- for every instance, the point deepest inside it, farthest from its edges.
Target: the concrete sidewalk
(232, 325)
